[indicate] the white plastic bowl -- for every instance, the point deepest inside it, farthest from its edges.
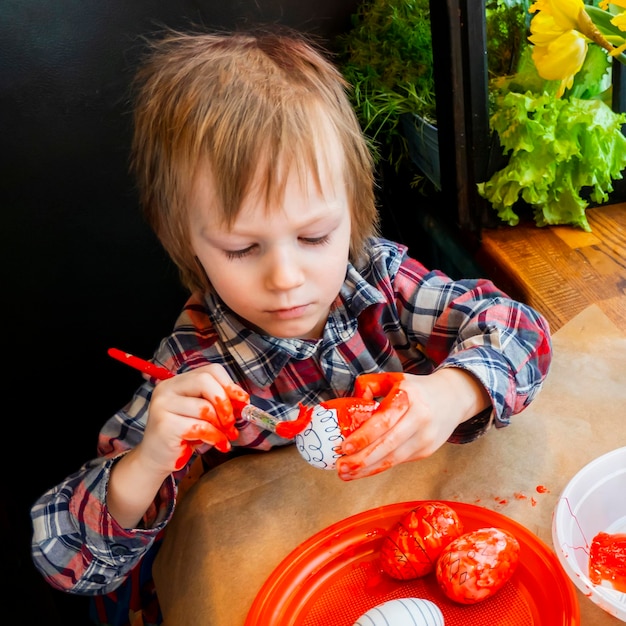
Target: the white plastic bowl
(594, 500)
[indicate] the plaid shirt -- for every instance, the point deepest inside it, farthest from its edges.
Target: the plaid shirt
(392, 314)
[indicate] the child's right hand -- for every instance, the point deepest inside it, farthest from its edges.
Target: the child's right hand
(188, 410)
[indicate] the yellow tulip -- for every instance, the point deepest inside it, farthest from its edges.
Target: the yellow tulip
(544, 29)
(618, 3)
(565, 13)
(560, 32)
(559, 48)
(620, 21)
(561, 59)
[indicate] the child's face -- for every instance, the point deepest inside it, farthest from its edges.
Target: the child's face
(280, 268)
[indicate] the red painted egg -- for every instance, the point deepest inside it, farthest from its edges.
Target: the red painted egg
(477, 564)
(411, 548)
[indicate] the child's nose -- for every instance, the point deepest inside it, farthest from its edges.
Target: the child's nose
(283, 269)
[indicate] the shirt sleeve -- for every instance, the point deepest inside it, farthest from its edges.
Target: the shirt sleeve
(471, 324)
(77, 546)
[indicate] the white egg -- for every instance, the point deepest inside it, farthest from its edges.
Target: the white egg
(403, 612)
(318, 442)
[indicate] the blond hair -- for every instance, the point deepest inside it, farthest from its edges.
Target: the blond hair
(239, 102)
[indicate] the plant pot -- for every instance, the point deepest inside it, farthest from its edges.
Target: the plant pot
(423, 143)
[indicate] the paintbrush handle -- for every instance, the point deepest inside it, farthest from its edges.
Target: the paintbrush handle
(249, 412)
(259, 417)
(140, 364)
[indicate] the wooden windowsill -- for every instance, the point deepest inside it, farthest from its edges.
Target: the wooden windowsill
(560, 270)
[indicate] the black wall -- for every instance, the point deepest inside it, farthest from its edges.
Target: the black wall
(81, 270)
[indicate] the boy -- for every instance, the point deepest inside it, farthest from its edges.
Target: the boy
(256, 178)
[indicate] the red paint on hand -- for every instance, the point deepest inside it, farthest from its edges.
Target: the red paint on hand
(224, 416)
(185, 455)
(288, 430)
(238, 399)
(202, 433)
(376, 385)
(396, 399)
(351, 412)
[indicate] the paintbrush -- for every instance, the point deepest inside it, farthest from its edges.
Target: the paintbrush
(249, 412)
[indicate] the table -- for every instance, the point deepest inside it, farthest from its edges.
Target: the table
(238, 522)
(560, 270)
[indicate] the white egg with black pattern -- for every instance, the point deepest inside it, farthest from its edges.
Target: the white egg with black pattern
(318, 444)
(403, 612)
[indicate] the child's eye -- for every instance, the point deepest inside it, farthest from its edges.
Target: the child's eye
(316, 241)
(238, 254)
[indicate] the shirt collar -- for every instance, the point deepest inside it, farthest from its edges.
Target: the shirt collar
(262, 357)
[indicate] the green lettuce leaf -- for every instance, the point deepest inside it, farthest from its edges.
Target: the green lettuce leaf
(561, 151)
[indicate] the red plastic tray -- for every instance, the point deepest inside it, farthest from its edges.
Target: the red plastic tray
(334, 577)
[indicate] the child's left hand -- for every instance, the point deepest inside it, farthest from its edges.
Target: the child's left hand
(415, 418)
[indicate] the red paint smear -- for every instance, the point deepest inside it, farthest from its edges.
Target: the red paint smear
(477, 564)
(533, 501)
(238, 398)
(205, 413)
(224, 415)
(185, 455)
(351, 412)
(376, 582)
(520, 496)
(288, 430)
(198, 434)
(607, 560)
(542, 489)
(396, 398)
(372, 386)
(412, 546)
